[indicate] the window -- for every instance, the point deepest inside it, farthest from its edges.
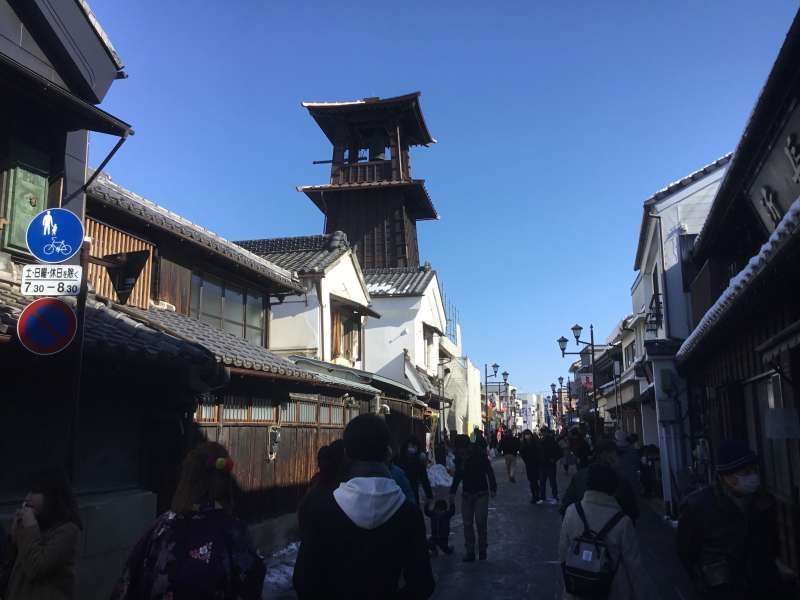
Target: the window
(345, 333)
(228, 307)
(427, 334)
(630, 354)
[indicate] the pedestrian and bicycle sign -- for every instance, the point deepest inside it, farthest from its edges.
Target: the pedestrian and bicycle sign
(54, 235)
(50, 280)
(47, 326)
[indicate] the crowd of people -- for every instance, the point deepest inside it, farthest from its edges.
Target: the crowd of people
(363, 533)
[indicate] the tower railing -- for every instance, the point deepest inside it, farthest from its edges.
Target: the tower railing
(362, 172)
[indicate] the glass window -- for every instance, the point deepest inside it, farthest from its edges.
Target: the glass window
(211, 303)
(255, 319)
(194, 298)
(234, 311)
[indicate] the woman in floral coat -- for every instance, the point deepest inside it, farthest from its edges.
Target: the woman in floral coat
(198, 550)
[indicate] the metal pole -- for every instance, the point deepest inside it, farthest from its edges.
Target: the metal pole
(77, 349)
(594, 383)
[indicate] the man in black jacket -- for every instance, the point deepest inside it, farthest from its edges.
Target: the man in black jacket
(529, 451)
(359, 541)
(509, 447)
(550, 454)
(606, 454)
(728, 533)
(475, 471)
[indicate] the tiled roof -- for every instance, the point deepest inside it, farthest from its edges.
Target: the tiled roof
(402, 281)
(98, 29)
(306, 254)
(787, 230)
(673, 188)
(108, 193)
(109, 331)
(233, 351)
(419, 203)
(349, 373)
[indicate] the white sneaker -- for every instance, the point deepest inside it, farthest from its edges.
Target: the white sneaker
(540, 502)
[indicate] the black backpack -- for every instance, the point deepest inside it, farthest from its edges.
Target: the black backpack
(589, 567)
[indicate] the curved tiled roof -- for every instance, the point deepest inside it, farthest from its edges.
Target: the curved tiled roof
(233, 351)
(108, 193)
(305, 254)
(401, 281)
(110, 331)
(787, 230)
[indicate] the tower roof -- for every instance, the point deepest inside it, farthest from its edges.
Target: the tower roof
(420, 205)
(337, 118)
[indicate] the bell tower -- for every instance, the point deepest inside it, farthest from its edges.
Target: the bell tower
(371, 195)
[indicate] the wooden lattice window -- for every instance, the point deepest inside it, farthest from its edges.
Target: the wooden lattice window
(207, 409)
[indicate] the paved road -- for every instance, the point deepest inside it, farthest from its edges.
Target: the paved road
(523, 561)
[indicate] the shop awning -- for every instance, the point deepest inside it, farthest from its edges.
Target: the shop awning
(74, 113)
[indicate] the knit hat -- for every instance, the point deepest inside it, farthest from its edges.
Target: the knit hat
(734, 455)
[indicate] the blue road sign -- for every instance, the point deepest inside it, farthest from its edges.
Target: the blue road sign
(55, 235)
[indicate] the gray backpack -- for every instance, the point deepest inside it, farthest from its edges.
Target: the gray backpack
(589, 568)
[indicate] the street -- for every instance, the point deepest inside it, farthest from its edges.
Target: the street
(522, 557)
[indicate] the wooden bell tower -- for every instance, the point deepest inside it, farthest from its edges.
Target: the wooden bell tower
(371, 195)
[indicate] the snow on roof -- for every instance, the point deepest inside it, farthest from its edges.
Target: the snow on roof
(786, 230)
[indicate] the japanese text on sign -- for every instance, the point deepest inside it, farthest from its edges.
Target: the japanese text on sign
(51, 280)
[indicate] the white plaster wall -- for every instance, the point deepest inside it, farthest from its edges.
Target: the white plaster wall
(684, 212)
(341, 279)
(474, 397)
(294, 325)
(387, 337)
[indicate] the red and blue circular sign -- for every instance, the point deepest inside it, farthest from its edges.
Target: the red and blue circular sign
(47, 326)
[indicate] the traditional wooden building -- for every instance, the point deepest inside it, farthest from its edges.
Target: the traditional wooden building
(205, 289)
(372, 196)
(742, 358)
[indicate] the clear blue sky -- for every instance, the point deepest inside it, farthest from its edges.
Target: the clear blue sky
(555, 121)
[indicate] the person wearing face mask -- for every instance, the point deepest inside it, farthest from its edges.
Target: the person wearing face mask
(45, 537)
(414, 465)
(727, 533)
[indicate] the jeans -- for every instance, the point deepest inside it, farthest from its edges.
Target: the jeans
(475, 507)
(548, 471)
(511, 464)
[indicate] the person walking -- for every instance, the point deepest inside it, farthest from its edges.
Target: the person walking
(414, 464)
(550, 455)
(529, 452)
(509, 447)
(599, 512)
(629, 462)
(44, 542)
(728, 534)
(605, 454)
(359, 542)
(474, 470)
(197, 549)
(440, 516)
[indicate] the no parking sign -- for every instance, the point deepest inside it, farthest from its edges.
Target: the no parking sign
(47, 326)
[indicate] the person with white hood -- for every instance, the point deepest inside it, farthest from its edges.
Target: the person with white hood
(360, 540)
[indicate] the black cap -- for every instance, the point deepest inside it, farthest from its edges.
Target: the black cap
(734, 455)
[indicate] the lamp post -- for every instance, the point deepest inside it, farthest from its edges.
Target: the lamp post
(505, 381)
(562, 344)
(486, 376)
(561, 401)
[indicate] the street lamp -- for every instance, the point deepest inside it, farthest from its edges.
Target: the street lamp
(505, 381)
(486, 376)
(562, 344)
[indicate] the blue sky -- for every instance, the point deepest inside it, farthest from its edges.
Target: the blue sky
(555, 121)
